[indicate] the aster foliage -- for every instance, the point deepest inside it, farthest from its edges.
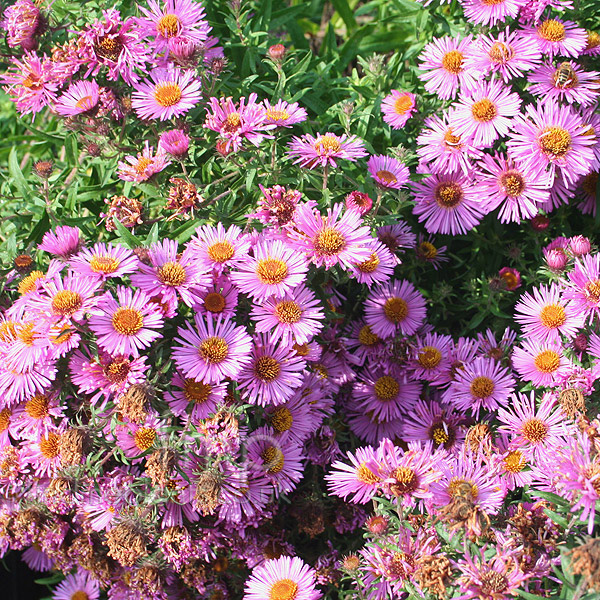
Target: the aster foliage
(301, 301)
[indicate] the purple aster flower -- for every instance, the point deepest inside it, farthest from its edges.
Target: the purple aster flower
(396, 237)
(127, 325)
(81, 97)
(174, 142)
(325, 149)
(378, 268)
(104, 261)
(554, 136)
(78, 585)
(63, 242)
(448, 203)
(214, 350)
(485, 12)
(388, 172)
(395, 307)
(171, 93)
(565, 81)
(431, 359)
(284, 114)
(356, 480)
(142, 167)
(293, 419)
(556, 37)
(542, 363)
(217, 248)
(397, 108)
(583, 286)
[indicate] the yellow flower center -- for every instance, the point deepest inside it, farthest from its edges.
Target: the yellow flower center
(386, 176)
(593, 40)
(482, 387)
(109, 48)
(329, 242)
(232, 122)
(403, 104)
(167, 94)
(27, 284)
(547, 361)
(514, 462)
(142, 164)
(427, 250)
(271, 271)
(501, 53)
(553, 316)
(327, 144)
(450, 139)
(463, 488)
(49, 445)
(369, 265)
(288, 311)
(386, 388)
(172, 274)
(534, 430)
(429, 357)
(512, 183)
(144, 437)
(365, 475)
(168, 25)
(406, 481)
(283, 589)
(274, 459)
(484, 110)
(395, 309)
(366, 337)
(592, 290)
(214, 350)
(552, 30)
(267, 368)
(103, 264)
(66, 303)
(220, 251)
(5, 415)
(196, 391)
(277, 115)
(127, 321)
(37, 407)
(555, 141)
(453, 62)
(281, 419)
(448, 195)
(85, 103)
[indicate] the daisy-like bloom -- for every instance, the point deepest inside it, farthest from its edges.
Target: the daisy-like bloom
(565, 81)
(21, 21)
(430, 360)
(386, 396)
(510, 54)
(274, 270)
(142, 167)
(77, 586)
(174, 142)
(555, 37)
(388, 172)
(435, 423)
(104, 261)
(396, 237)
(485, 113)
(448, 203)
(395, 307)
(545, 315)
(171, 93)
(170, 273)
(36, 416)
(283, 578)
(359, 201)
(81, 97)
(136, 438)
(518, 189)
(196, 398)
(485, 12)
(542, 363)
(378, 268)
(497, 578)
(325, 149)
(445, 67)
(482, 384)
(332, 239)
(363, 344)
(536, 431)
(295, 318)
(294, 419)
(220, 298)
(511, 278)
(511, 464)
(127, 325)
(217, 248)
(427, 251)
(553, 136)
(443, 150)
(63, 242)
(30, 82)
(591, 125)
(116, 45)
(397, 108)
(284, 114)
(174, 19)
(272, 375)
(586, 193)
(238, 122)
(214, 350)
(593, 44)
(583, 287)
(355, 482)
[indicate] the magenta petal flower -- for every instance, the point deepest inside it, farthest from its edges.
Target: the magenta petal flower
(81, 97)
(388, 172)
(104, 261)
(556, 37)
(142, 167)
(281, 578)
(325, 149)
(397, 108)
(64, 241)
(214, 350)
(566, 81)
(583, 287)
(284, 114)
(485, 12)
(128, 325)
(77, 585)
(171, 93)
(355, 481)
(542, 363)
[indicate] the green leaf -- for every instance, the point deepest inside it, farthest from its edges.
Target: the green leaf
(40, 229)
(19, 179)
(344, 10)
(128, 238)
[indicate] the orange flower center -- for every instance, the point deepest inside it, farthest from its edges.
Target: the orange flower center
(168, 25)
(534, 430)
(512, 183)
(395, 309)
(553, 316)
(453, 62)
(367, 338)
(66, 303)
(327, 144)
(267, 368)
(329, 242)
(196, 391)
(403, 104)
(274, 459)
(281, 419)
(214, 302)
(288, 311)
(386, 176)
(555, 141)
(214, 350)
(127, 321)
(172, 274)
(167, 94)
(429, 357)
(501, 53)
(482, 387)
(547, 361)
(37, 407)
(144, 437)
(448, 195)
(271, 271)
(552, 30)
(484, 110)
(103, 264)
(369, 265)
(220, 251)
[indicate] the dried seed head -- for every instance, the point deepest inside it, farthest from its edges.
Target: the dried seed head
(135, 402)
(126, 544)
(73, 445)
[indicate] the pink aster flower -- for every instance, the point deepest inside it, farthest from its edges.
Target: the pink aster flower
(397, 108)
(583, 287)
(273, 270)
(22, 21)
(427, 251)
(535, 430)
(63, 242)
(552, 136)
(295, 318)
(509, 54)
(194, 398)
(77, 585)
(116, 45)
(136, 438)
(448, 203)
(396, 237)
(332, 239)
(127, 325)
(442, 150)
(174, 142)
(104, 261)
(217, 248)
(482, 384)
(176, 19)
(354, 482)
(511, 278)
(431, 358)
(376, 269)
(283, 577)
(445, 67)
(388, 172)
(219, 298)
(485, 113)
(518, 189)
(170, 273)
(272, 374)
(556, 37)
(325, 149)
(284, 114)
(294, 419)
(486, 13)
(566, 81)
(359, 201)
(171, 93)
(213, 350)
(81, 97)
(238, 122)
(545, 315)
(395, 307)
(542, 363)
(142, 167)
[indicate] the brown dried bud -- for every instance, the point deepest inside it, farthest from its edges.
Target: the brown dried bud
(93, 149)
(143, 254)
(276, 52)
(572, 402)
(135, 402)
(159, 466)
(127, 211)
(479, 439)
(585, 561)
(208, 490)
(126, 544)
(183, 196)
(43, 168)
(23, 263)
(73, 445)
(433, 573)
(351, 562)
